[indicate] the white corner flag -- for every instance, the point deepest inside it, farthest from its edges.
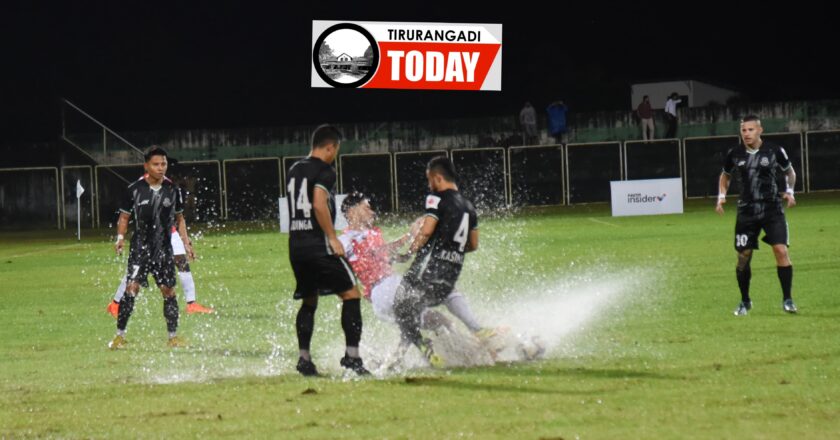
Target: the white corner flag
(79, 192)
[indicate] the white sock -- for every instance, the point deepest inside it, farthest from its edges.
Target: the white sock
(120, 332)
(305, 354)
(189, 286)
(172, 335)
(353, 352)
(120, 290)
(457, 305)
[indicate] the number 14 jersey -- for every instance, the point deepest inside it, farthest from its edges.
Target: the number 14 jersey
(306, 238)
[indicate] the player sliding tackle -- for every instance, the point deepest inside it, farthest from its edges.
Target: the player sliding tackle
(370, 257)
(449, 230)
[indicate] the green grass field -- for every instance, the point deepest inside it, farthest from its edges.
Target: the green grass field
(637, 313)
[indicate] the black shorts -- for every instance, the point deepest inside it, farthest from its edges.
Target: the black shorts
(748, 227)
(431, 293)
(325, 275)
(141, 264)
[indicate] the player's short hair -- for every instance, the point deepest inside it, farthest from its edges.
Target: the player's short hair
(154, 150)
(751, 118)
(352, 200)
(324, 135)
(443, 166)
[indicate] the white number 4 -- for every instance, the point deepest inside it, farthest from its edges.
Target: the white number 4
(462, 233)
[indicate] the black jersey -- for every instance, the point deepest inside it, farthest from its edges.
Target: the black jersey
(154, 212)
(306, 238)
(757, 171)
(440, 260)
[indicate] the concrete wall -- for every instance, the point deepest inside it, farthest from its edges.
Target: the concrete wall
(703, 94)
(658, 92)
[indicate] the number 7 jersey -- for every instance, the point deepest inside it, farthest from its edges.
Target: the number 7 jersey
(306, 238)
(440, 260)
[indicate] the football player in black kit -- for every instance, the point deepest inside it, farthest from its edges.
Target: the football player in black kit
(450, 229)
(756, 162)
(157, 206)
(316, 254)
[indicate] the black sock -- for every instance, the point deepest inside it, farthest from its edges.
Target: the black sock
(170, 312)
(305, 324)
(126, 307)
(786, 278)
(351, 322)
(744, 282)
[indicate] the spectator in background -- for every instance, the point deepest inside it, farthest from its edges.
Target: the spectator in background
(671, 115)
(528, 119)
(645, 113)
(557, 120)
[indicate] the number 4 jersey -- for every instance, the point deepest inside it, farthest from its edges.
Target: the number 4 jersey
(439, 261)
(306, 238)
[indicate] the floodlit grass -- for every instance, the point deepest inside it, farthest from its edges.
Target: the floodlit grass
(658, 356)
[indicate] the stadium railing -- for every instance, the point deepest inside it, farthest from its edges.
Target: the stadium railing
(410, 178)
(69, 176)
(822, 153)
(536, 175)
(252, 187)
(591, 182)
(26, 198)
(371, 174)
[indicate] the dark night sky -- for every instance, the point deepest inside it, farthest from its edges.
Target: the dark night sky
(142, 65)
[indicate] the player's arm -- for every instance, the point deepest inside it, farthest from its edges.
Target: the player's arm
(122, 228)
(394, 246)
(790, 181)
(322, 216)
(182, 231)
(723, 188)
(181, 223)
(472, 242)
(126, 207)
(426, 231)
(725, 179)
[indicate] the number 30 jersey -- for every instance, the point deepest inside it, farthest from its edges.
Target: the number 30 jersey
(306, 238)
(440, 260)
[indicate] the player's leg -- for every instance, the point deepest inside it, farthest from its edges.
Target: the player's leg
(136, 274)
(408, 307)
(164, 274)
(746, 240)
(457, 304)
(114, 306)
(185, 276)
(776, 235)
(306, 291)
(382, 298)
(188, 284)
(171, 315)
(340, 278)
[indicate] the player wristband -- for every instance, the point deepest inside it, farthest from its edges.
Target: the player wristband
(120, 237)
(721, 196)
(789, 191)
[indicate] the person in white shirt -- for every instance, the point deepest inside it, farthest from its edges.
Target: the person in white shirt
(671, 115)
